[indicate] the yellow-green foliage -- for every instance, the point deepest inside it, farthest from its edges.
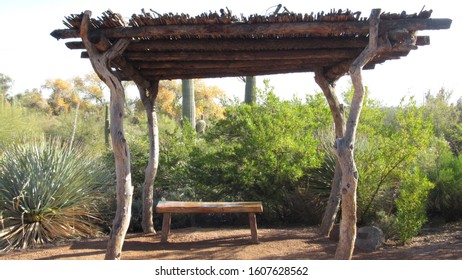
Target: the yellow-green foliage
(411, 204)
(19, 123)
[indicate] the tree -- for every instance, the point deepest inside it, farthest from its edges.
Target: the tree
(91, 88)
(208, 100)
(33, 99)
(168, 99)
(63, 95)
(446, 117)
(85, 92)
(5, 84)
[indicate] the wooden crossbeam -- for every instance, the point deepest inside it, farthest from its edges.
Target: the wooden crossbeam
(195, 65)
(245, 55)
(248, 45)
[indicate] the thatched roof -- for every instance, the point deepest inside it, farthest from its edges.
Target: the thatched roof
(179, 46)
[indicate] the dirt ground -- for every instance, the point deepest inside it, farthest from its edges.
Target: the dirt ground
(443, 243)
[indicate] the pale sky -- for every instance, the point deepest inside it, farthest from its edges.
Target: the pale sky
(29, 55)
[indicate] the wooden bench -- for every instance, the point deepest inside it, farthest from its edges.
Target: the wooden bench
(169, 207)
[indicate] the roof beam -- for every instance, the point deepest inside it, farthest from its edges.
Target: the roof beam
(178, 73)
(218, 72)
(250, 45)
(240, 44)
(230, 64)
(244, 55)
(243, 30)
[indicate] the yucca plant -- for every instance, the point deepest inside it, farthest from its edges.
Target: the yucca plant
(48, 191)
(320, 178)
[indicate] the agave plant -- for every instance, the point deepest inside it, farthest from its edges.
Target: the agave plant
(48, 191)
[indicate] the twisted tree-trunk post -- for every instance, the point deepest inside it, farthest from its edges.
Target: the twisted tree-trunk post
(124, 189)
(148, 97)
(333, 204)
(107, 130)
(344, 147)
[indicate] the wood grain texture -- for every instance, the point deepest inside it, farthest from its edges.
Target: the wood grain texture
(167, 220)
(253, 227)
(208, 207)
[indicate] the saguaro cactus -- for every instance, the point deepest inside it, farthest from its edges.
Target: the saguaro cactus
(189, 105)
(250, 84)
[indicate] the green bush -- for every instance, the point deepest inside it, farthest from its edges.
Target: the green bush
(389, 142)
(47, 192)
(446, 197)
(261, 152)
(411, 205)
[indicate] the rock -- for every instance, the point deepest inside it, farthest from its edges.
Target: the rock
(369, 238)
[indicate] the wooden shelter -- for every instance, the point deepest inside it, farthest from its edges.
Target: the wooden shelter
(221, 45)
(149, 47)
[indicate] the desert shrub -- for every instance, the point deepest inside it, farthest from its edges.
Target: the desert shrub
(89, 128)
(261, 152)
(411, 204)
(19, 124)
(49, 191)
(388, 144)
(446, 198)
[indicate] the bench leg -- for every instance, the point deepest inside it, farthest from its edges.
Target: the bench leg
(167, 220)
(253, 227)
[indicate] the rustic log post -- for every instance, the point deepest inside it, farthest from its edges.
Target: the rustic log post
(344, 147)
(166, 222)
(253, 227)
(333, 204)
(148, 94)
(124, 189)
(107, 130)
(148, 97)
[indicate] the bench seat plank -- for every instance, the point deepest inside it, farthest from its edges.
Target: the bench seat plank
(169, 207)
(208, 207)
